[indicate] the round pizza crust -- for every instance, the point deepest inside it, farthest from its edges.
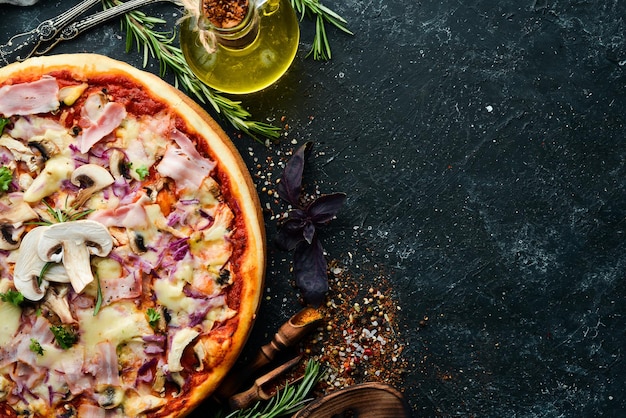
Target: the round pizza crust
(229, 162)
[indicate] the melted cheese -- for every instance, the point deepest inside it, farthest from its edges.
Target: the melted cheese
(170, 294)
(116, 323)
(143, 143)
(53, 356)
(10, 315)
(107, 268)
(184, 271)
(57, 169)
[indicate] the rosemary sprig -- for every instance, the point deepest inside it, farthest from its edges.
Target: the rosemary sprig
(140, 30)
(43, 272)
(322, 15)
(287, 401)
(98, 305)
(62, 215)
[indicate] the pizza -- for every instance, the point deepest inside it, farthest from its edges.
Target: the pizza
(132, 245)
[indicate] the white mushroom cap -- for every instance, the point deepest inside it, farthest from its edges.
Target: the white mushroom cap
(56, 301)
(90, 178)
(10, 236)
(28, 267)
(11, 224)
(181, 340)
(73, 243)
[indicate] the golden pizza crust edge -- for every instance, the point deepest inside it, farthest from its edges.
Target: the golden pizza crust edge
(241, 185)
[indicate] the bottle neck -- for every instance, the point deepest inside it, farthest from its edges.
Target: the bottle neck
(235, 23)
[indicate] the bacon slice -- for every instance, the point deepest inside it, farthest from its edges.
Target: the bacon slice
(110, 117)
(132, 215)
(185, 165)
(106, 361)
(128, 287)
(86, 410)
(71, 370)
(41, 96)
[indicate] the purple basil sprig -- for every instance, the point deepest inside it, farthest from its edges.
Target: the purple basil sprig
(298, 232)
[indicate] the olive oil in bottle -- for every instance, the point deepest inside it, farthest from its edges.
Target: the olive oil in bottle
(247, 57)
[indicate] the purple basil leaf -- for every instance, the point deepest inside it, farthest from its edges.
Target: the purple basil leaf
(297, 215)
(308, 232)
(310, 266)
(290, 186)
(323, 209)
(290, 234)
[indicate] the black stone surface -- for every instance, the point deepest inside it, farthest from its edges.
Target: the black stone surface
(481, 145)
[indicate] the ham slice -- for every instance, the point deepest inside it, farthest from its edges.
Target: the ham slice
(111, 117)
(132, 215)
(86, 410)
(41, 96)
(107, 372)
(185, 165)
(29, 126)
(128, 287)
(102, 119)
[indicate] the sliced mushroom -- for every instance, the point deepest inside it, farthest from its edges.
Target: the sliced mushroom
(20, 152)
(137, 242)
(109, 396)
(118, 166)
(11, 224)
(181, 340)
(45, 147)
(73, 243)
(91, 178)
(10, 236)
(56, 301)
(28, 267)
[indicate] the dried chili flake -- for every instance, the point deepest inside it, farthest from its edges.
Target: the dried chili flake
(225, 13)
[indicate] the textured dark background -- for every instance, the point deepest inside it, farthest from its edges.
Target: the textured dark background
(481, 145)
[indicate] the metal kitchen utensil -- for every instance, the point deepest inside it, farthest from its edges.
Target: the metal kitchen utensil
(47, 34)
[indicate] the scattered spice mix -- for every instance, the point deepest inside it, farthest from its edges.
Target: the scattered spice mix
(360, 340)
(225, 13)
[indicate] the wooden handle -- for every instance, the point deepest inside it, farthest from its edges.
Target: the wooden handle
(365, 400)
(244, 399)
(289, 334)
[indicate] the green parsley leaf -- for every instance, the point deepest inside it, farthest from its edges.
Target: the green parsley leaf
(36, 347)
(153, 317)
(3, 122)
(64, 336)
(142, 172)
(6, 175)
(12, 296)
